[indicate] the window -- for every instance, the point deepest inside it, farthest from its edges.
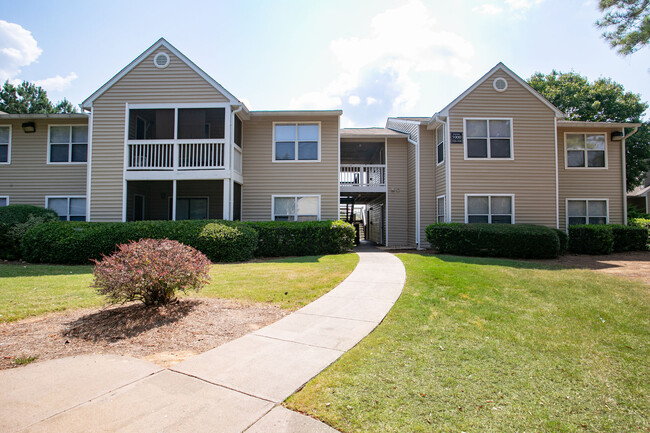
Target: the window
(488, 138)
(68, 208)
(586, 211)
(440, 144)
(296, 208)
(5, 144)
(68, 144)
(585, 150)
(441, 209)
(491, 209)
(296, 142)
(194, 208)
(4, 201)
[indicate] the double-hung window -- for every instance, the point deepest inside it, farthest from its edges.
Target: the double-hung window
(68, 208)
(5, 144)
(440, 209)
(296, 142)
(586, 211)
(68, 144)
(491, 209)
(586, 150)
(296, 208)
(488, 138)
(440, 144)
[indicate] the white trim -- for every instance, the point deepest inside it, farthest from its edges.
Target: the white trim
(143, 205)
(418, 240)
(494, 84)
(180, 105)
(444, 155)
(89, 166)
(160, 43)
(387, 189)
(586, 167)
(8, 144)
(587, 200)
(338, 163)
(315, 122)
(624, 174)
(49, 144)
(489, 195)
(444, 208)
(557, 180)
(489, 157)
(226, 213)
(164, 54)
(125, 161)
(68, 197)
(6, 197)
(295, 196)
(448, 170)
(500, 67)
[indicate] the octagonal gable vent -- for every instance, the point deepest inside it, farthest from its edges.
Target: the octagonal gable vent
(500, 84)
(161, 60)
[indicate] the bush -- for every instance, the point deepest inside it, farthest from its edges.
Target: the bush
(629, 238)
(15, 220)
(591, 239)
(641, 222)
(563, 237)
(222, 243)
(495, 240)
(151, 271)
(281, 238)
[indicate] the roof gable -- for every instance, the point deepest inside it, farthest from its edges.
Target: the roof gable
(138, 60)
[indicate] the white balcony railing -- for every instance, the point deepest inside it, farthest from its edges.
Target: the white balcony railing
(362, 175)
(176, 155)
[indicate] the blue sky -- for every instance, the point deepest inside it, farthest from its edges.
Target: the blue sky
(372, 59)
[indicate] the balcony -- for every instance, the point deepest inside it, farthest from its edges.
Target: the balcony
(174, 156)
(362, 178)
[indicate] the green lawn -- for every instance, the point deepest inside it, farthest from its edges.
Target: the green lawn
(30, 290)
(486, 345)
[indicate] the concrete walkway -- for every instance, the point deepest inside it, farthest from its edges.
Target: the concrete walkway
(235, 387)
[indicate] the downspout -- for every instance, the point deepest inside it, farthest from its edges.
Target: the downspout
(417, 191)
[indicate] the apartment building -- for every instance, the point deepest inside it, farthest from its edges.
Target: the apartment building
(163, 140)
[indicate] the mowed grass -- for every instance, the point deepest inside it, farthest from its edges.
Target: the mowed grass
(31, 290)
(486, 345)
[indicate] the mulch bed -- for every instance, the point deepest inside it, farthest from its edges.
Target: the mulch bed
(164, 335)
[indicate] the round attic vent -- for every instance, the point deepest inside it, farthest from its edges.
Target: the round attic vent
(161, 60)
(500, 84)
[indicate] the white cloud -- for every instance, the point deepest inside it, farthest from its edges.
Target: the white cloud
(522, 5)
(18, 48)
(516, 8)
(57, 83)
(354, 100)
(488, 9)
(401, 42)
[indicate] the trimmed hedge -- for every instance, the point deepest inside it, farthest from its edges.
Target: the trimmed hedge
(15, 220)
(591, 239)
(79, 242)
(629, 238)
(563, 237)
(519, 241)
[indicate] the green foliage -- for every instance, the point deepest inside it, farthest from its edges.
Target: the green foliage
(222, 243)
(151, 271)
(641, 222)
(563, 237)
(591, 239)
(281, 238)
(629, 238)
(604, 100)
(24, 360)
(634, 213)
(28, 98)
(495, 240)
(15, 220)
(629, 24)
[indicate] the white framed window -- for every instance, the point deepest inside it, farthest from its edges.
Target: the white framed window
(440, 208)
(295, 207)
(5, 144)
(190, 208)
(71, 208)
(490, 208)
(296, 142)
(488, 138)
(585, 150)
(4, 200)
(587, 211)
(440, 144)
(67, 144)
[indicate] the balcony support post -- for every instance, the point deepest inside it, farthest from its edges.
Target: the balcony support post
(174, 199)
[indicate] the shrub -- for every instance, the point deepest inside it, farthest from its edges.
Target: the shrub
(151, 271)
(563, 237)
(281, 238)
(222, 243)
(641, 222)
(15, 220)
(629, 238)
(496, 240)
(591, 239)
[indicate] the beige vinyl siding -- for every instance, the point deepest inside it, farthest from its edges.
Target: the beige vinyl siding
(264, 178)
(427, 182)
(530, 176)
(145, 84)
(410, 193)
(592, 182)
(397, 221)
(28, 179)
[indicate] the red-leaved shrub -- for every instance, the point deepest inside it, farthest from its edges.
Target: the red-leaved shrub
(151, 271)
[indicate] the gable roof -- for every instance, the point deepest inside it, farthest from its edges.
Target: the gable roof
(499, 67)
(160, 43)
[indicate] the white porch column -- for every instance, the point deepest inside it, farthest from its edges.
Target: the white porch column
(227, 211)
(174, 200)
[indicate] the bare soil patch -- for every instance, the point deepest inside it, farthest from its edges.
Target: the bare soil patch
(164, 335)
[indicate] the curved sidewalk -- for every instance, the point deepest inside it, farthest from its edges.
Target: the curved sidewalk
(235, 387)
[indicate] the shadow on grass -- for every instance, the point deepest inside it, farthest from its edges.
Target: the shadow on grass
(118, 323)
(19, 269)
